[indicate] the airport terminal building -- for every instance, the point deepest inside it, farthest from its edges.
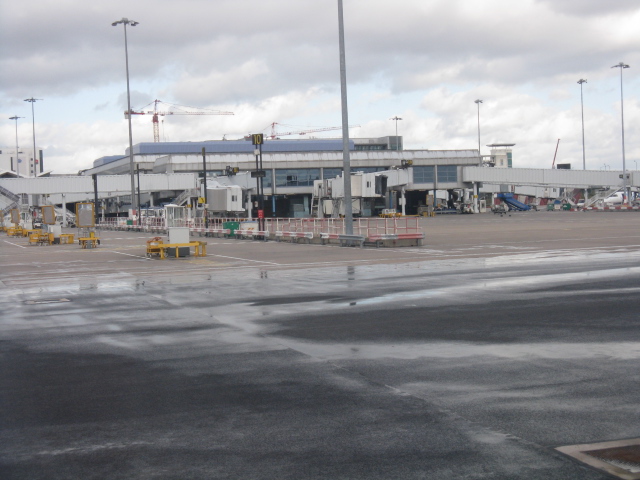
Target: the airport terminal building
(172, 172)
(292, 166)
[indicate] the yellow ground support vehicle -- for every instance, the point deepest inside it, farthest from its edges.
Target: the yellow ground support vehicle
(389, 213)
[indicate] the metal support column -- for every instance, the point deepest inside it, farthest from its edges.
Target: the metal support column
(476, 205)
(346, 160)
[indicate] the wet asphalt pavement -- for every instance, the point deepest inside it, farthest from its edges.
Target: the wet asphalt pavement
(472, 357)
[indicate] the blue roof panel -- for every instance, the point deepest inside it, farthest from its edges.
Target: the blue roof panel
(238, 146)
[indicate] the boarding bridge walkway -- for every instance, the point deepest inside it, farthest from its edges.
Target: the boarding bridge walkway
(549, 177)
(78, 188)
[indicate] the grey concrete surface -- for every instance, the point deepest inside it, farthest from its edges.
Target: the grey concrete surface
(471, 357)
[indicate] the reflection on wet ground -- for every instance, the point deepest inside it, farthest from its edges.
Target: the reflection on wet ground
(319, 362)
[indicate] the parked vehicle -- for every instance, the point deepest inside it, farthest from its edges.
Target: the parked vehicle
(616, 198)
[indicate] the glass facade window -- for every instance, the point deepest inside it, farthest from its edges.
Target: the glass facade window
(266, 181)
(447, 173)
(423, 174)
(331, 172)
(370, 147)
(293, 177)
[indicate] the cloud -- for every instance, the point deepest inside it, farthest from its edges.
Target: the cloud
(590, 7)
(216, 86)
(426, 60)
(60, 143)
(414, 44)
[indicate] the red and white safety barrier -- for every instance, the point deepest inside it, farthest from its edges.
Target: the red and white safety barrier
(411, 236)
(621, 207)
(329, 236)
(343, 239)
(214, 231)
(252, 233)
(307, 235)
(397, 236)
(385, 236)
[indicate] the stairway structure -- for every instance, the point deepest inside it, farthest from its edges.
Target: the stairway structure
(600, 196)
(184, 197)
(8, 199)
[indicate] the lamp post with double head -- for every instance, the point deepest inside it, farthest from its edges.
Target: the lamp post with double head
(15, 117)
(478, 102)
(125, 22)
(584, 161)
(33, 122)
(622, 66)
(396, 118)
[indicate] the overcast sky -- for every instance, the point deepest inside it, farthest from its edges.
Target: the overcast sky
(277, 61)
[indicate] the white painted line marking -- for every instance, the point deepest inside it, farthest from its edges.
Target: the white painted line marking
(243, 259)
(130, 255)
(15, 244)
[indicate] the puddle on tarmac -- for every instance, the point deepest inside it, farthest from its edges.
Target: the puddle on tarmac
(411, 351)
(178, 279)
(472, 290)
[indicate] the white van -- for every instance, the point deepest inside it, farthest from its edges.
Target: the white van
(616, 198)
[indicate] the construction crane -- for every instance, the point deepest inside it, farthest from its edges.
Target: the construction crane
(275, 134)
(177, 110)
(555, 154)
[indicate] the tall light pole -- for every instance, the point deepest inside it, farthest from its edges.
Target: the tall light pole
(396, 118)
(33, 122)
(478, 102)
(622, 66)
(15, 117)
(125, 22)
(584, 161)
(346, 159)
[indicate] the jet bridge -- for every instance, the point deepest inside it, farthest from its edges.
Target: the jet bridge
(328, 194)
(230, 194)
